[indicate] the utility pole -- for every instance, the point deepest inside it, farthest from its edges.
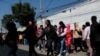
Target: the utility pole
(19, 1)
(41, 12)
(1, 27)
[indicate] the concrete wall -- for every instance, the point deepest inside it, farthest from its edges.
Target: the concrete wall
(80, 13)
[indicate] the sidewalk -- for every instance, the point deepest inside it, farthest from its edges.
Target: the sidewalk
(22, 51)
(25, 48)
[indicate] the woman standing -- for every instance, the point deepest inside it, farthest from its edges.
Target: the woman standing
(68, 38)
(77, 35)
(62, 35)
(51, 36)
(40, 36)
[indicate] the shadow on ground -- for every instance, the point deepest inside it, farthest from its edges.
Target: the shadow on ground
(4, 49)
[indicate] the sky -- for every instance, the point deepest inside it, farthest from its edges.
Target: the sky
(51, 5)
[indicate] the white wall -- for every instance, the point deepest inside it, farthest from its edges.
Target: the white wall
(79, 14)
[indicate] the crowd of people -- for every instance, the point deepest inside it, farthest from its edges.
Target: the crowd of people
(57, 40)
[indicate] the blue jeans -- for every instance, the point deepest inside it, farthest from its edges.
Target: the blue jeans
(62, 46)
(40, 44)
(49, 46)
(9, 51)
(12, 51)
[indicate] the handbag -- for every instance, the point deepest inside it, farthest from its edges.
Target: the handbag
(79, 32)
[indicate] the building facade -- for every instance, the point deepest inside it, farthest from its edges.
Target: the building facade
(80, 13)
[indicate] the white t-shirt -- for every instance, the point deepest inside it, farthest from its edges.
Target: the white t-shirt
(64, 33)
(86, 33)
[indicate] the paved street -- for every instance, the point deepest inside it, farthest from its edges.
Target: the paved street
(23, 51)
(3, 51)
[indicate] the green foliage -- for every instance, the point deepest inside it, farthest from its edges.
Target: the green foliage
(6, 19)
(21, 13)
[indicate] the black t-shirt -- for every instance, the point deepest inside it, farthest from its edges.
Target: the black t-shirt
(95, 32)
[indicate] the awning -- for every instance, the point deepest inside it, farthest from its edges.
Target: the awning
(21, 29)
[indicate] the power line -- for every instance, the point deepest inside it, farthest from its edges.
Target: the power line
(49, 4)
(59, 7)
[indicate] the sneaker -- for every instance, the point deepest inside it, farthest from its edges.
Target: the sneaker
(38, 47)
(66, 54)
(59, 55)
(74, 52)
(64, 51)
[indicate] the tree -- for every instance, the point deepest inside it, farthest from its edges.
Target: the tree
(22, 13)
(6, 19)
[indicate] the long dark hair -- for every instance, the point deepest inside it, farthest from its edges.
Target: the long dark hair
(49, 23)
(62, 24)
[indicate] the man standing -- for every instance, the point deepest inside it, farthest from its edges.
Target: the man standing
(30, 34)
(11, 39)
(86, 37)
(95, 35)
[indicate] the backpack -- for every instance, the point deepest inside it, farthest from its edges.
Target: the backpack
(79, 32)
